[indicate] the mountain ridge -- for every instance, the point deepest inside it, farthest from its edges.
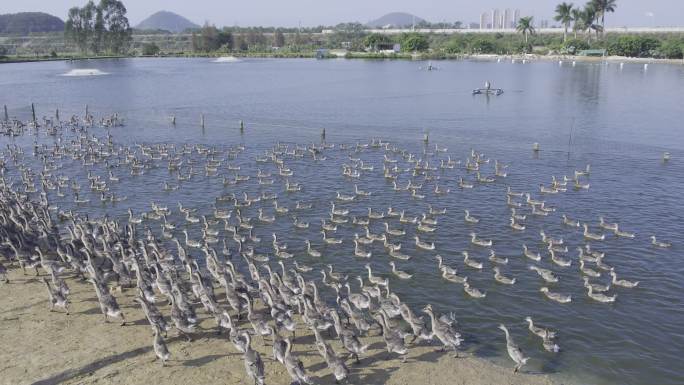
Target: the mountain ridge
(168, 21)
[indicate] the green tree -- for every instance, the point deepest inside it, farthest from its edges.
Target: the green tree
(577, 25)
(150, 49)
(279, 39)
(414, 42)
(602, 7)
(525, 27)
(564, 16)
(373, 40)
(671, 49)
(118, 34)
(80, 26)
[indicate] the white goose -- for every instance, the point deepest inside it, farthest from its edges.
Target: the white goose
(546, 274)
(469, 218)
(359, 252)
(514, 351)
(600, 297)
(606, 225)
(560, 298)
(657, 243)
(592, 236)
(473, 292)
(424, 245)
(394, 232)
(399, 273)
(374, 279)
(469, 262)
(531, 255)
(479, 242)
(501, 278)
(494, 258)
(516, 226)
(330, 241)
(622, 282)
(443, 267)
(569, 222)
(311, 251)
(587, 271)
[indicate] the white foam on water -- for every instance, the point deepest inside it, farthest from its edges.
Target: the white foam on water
(85, 72)
(226, 59)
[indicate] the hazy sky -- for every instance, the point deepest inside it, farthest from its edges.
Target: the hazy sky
(330, 12)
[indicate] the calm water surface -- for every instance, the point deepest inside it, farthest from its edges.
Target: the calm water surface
(619, 120)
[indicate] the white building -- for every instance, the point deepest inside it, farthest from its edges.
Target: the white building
(496, 19)
(516, 17)
(508, 18)
(483, 20)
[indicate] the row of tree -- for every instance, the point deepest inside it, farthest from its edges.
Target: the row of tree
(101, 28)
(591, 17)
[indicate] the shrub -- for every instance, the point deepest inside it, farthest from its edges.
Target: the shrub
(483, 46)
(671, 49)
(572, 46)
(634, 46)
(150, 49)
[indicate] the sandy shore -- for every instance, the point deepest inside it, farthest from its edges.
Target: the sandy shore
(40, 347)
(571, 58)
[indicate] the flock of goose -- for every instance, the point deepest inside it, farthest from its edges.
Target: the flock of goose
(218, 261)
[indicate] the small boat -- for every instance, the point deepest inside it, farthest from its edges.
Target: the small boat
(488, 91)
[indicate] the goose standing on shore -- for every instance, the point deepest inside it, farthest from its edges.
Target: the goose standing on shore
(514, 351)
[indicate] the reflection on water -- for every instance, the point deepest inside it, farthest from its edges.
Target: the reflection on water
(621, 121)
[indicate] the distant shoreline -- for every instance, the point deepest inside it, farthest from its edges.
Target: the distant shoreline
(373, 56)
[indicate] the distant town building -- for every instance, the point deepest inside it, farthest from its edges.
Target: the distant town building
(484, 16)
(508, 18)
(496, 19)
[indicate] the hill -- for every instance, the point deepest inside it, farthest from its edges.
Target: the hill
(27, 22)
(395, 19)
(167, 21)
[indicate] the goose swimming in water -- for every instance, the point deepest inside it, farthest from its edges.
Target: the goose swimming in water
(375, 279)
(657, 243)
(470, 219)
(541, 332)
(560, 298)
(471, 263)
(546, 274)
(569, 222)
(495, 259)
(594, 286)
(622, 282)
(514, 351)
(592, 236)
(516, 226)
(424, 245)
(501, 278)
(399, 273)
(607, 226)
(442, 267)
(531, 255)
(479, 242)
(600, 297)
(587, 271)
(452, 277)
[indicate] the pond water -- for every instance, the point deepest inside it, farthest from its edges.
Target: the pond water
(619, 119)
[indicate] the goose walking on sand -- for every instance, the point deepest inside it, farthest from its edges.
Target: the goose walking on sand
(443, 329)
(160, 348)
(254, 366)
(514, 351)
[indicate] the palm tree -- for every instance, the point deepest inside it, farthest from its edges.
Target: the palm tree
(525, 26)
(602, 7)
(564, 15)
(577, 20)
(590, 19)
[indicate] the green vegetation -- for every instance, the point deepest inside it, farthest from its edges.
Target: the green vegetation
(150, 49)
(525, 27)
(99, 28)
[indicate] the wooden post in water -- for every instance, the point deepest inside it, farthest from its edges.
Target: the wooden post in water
(173, 119)
(426, 139)
(86, 114)
(242, 127)
(202, 120)
(33, 112)
(323, 135)
(6, 115)
(57, 115)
